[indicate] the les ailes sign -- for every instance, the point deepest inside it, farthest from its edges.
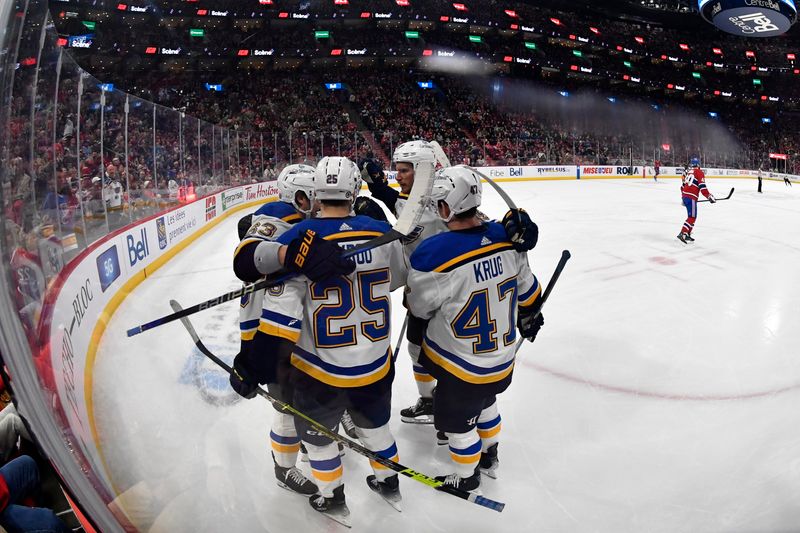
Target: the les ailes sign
(750, 18)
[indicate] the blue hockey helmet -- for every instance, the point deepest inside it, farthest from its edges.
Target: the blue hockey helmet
(695, 162)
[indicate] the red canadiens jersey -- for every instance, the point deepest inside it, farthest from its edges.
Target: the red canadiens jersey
(694, 183)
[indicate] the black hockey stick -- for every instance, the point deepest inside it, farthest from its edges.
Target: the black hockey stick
(565, 255)
(400, 340)
(356, 447)
(387, 237)
(719, 199)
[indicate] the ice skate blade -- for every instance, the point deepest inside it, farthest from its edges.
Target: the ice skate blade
(341, 516)
(418, 420)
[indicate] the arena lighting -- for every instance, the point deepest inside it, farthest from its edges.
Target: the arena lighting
(28, 62)
(475, 39)
(572, 36)
(514, 26)
(712, 114)
(763, 97)
(626, 77)
(202, 12)
(243, 53)
(696, 75)
(333, 86)
(412, 34)
(511, 13)
(122, 7)
(283, 15)
(425, 84)
(790, 57)
(565, 94)
(717, 51)
(196, 32)
(365, 14)
(61, 41)
(766, 120)
(336, 52)
(750, 53)
(577, 53)
(670, 86)
(444, 18)
(265, 2)
(750, 18)
(664, 147)
(340, 2)
(508, 59)
(90, 25)
(594, 30)
(639, 40)
(402, 3)
(530, 46)
(756, 81)
(555, 21)
(627, 64)
(612, 99)
(150, 50)
(573, 67)
(684, 47)
(460, 7)
(427, 53)
(214, 87)
(321, 34)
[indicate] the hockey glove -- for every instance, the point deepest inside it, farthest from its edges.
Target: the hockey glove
(368, 207)
(244, 225)
(712, 199)
(242, 381)
(529, 323)
(521, 230)
(316, 258)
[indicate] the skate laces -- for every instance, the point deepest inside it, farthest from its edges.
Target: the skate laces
(296, 475)
(453, 480)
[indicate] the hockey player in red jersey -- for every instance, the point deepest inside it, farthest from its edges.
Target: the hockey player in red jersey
(694, 184)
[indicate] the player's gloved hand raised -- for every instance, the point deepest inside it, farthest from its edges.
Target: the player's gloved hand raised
(368, 207)
(712, 199)
(521, 230)
(241, 380)
(318, 259)
(529, 323)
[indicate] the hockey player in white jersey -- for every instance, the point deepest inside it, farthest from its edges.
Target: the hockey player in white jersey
(469, 284)
(338, 334)
(270, 221)
(522, 231)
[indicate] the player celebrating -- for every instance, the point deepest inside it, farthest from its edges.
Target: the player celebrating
(469, 283)
(337, 333)
(519, 228)
(271, 220)
(694, 183)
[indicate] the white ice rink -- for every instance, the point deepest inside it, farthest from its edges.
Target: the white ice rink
(662, 394)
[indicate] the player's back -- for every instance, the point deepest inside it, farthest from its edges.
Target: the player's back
(471, 281)
(429, 224)
(342, 325)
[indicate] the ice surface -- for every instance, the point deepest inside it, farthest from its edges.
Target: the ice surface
(661, 394)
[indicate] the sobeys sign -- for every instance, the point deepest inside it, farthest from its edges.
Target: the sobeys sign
(750, 18)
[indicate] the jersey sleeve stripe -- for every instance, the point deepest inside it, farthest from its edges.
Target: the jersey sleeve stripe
(249, 324)
(529, 297)
(295, 217)
(281, 319)
(277, 331)
(472, 256)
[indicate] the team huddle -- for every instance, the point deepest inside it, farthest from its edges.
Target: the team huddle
(321, 341)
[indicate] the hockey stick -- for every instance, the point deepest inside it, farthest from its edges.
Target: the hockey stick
(400, 340)
(356, 447)
(565, 255)
(719, 199)
(406, 223)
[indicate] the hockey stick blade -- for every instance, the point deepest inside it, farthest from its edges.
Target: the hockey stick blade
(353, 445)
(415, 205)
(565, 255)
(720, 199)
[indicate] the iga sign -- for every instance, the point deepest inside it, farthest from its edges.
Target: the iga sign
(750, 18)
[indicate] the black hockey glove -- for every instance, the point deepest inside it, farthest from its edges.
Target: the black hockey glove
(529, 324)
(521, 230)
(366, 206)
(316, 258)
(712, 199)
(242, 381)
(244, 225)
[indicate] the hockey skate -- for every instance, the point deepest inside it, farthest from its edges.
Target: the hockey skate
(389, 489)
(489, 462)
(470, 484)
(441, 438)
(349, 426)
(334, 508)
(419, 413)
(682, 237)
(293, 479)
(689, 237)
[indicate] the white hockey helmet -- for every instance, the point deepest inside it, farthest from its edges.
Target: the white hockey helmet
(335, 179)
(414, 152)
(459, 187)
(294, 179)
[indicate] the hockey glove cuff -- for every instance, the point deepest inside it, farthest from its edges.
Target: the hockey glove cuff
(521, 230)
(368, 207)
(316, 258)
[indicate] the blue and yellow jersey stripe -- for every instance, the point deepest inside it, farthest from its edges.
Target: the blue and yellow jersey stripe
(473, 255)
(489, 429)
(284, 444)
(279, 325)
(530, 296)
(463, 369)
(389, 453)
(468, 455)
(328, 470)
(248, 329)
(341, 376)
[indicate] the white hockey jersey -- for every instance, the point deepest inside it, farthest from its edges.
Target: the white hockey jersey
(429, 224)
(341, 326)
(469, 284)
(269, 222)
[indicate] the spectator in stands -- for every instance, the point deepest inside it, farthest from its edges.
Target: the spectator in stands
(19, 479)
